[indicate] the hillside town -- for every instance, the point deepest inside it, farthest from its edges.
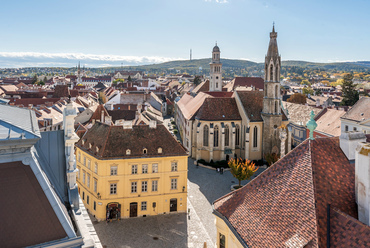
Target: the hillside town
(136, 159)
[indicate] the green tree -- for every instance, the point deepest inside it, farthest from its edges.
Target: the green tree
(297, 98)
(242, 170)
(129, 78)
(45, 79)
(318, 92)
(307, 90)
(349, 92)
(305, 82)
(34, 79)
(197, 80)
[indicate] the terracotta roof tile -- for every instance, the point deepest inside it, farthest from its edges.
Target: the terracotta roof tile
(214, 109)
(291, 197)
(360, 111)
(122, 114)
(256, 82)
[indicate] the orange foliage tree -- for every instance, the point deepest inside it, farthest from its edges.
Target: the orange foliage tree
(242, 170)
(297, 98)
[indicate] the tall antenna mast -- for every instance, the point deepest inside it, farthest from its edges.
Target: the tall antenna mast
(190, 54)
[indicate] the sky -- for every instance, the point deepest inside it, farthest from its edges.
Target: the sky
(129, 32)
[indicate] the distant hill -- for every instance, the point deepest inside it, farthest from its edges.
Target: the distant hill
(245, 64)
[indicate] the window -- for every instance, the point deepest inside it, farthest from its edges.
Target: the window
(113, 170)
(215, 137)
(227, 135)
(143, 206)
(154, 168)
(276, 107)
(89, 163)
(155, 185)
(174, 166)
(88, 180)
(271, 73)
(160, 150)
(95, 205)
(78, 173)
(134, 169)
(83, 177)
(84, 161)
(113, 188)
(222, 241)
(79, 156)
(144, 186)
(145, 151)
(255, 136)
(96, 168)
(205, 135)
(83, 195)
(346, 128)
(237, 135)
(354, 128)
(174, 183)
(87, 199)
(95, 186)
(133, 187)
(128, 152)
(144, 168)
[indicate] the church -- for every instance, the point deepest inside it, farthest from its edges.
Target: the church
(218, 125)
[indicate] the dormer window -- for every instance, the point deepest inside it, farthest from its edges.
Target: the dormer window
(90, 145)
(97, 149)
(128, 152)
(145, 151)
(160, 150)
(83, 142)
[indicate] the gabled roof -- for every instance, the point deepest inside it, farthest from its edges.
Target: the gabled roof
(360, 111)
(218, 109)
(329, 122)
(113, 141)
(189, 105)
(289, 200)
(202, 87)
(122, 114)
(299, 113)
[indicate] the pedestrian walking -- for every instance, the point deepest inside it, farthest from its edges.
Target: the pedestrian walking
(108, 216)
(222, 170)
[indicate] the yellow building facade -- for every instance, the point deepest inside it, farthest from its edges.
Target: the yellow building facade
(148, 184)
(225, 237)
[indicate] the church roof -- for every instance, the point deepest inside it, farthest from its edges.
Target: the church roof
(218, 109)
(287, 204)
(252, 102)
(256, 82)
(216, 49)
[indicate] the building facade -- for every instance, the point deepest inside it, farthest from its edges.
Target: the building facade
(131, 171)
(215, 82)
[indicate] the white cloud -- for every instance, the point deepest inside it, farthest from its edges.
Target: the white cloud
(22, 59)
(217, 1)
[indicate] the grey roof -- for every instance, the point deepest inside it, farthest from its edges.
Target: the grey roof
(24, 119)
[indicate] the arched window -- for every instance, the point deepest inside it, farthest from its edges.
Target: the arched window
(255, 136)
(276, 91)
(227, 135)
(266, 72)
(215, 137)
(205, 135)
(276, 107)
(271, 73)
(237, 135)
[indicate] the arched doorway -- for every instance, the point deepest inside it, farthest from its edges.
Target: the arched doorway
(113, 210)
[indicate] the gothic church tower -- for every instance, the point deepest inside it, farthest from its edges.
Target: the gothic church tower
(271, 113)
(215, 83)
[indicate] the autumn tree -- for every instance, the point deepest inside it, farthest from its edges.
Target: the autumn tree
(349, 92)
(271, 158)
(297, 98)
(242, 170)
(305, 82)
(307, 90)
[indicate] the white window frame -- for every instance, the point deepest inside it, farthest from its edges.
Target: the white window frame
(173, 183)
(89, 163)
(83, 177)
(96, 167)
(144, 169)
(144, 206)
(88, 180)
(154, 168)
(144, 186)
(133, 187)
(134, 169)
(173, 166)
(113, 170)
(113, 189)
(155, 185)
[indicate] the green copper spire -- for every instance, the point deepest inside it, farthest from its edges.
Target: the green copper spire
(311, 125)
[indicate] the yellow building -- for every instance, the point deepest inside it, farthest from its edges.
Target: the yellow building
(131, 171)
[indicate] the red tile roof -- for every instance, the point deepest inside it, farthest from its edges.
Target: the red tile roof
(218, 109)
(122, 114)
(220, 93)
(256, 82)
(27, 218)
(113, 141)
(290, 198)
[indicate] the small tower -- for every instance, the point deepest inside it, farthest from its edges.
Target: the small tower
(271, 113)
(79, 74)
(215, 83)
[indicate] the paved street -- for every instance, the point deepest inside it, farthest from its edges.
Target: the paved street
(174, 230)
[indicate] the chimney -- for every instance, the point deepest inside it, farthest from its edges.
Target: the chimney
(152, 124)
(349, 141)
(317, 102)
(108, 120)
(102, 116)
(362, 181)
(127, 125)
